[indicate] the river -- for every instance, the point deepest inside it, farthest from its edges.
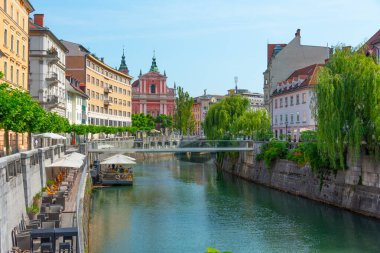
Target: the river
(177, 206)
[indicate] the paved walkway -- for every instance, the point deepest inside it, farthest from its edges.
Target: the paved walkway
(68, 214)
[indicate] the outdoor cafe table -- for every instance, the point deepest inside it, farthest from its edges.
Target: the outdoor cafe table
(53, 234)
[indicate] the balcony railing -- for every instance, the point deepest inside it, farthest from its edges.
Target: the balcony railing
(52, 78)
(108, 90)
(107, 102)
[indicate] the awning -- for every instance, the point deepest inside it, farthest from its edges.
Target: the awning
(118, 159)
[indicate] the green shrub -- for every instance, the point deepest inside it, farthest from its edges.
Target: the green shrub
(273, 150)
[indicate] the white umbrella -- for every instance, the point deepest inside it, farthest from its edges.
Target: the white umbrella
(51, 136)
(75, 156)
(66, 163)
(118, 159)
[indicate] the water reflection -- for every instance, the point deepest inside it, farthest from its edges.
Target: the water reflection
(177, 206)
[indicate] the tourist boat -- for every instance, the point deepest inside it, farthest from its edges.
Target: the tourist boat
(116, 170)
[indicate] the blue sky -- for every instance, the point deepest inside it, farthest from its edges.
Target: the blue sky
(203, 44)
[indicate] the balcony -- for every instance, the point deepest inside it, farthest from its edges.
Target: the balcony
(52, 78)
(107, 102)
(108, 90)
(83, 108)
(52, 55)
(52, 100)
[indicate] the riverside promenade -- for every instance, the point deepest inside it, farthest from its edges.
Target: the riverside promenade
(23, 178)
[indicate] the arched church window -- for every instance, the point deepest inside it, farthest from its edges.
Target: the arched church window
(153, 88)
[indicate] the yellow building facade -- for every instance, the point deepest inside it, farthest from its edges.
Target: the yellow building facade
(109, 90)
(110, 94)
(14, 50)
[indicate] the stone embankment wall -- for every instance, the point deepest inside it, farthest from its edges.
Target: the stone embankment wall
(356, 189)
(21, 177)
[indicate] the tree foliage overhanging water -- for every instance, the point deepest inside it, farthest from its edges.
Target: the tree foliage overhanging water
(348, 105)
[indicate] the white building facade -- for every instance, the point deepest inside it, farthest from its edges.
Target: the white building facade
(76, 103)
(284, 59)
(47, 57)
(293, 101)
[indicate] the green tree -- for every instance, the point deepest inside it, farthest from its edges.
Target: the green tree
(165, 121)
(347, 108)
(183, 117)
(143, 121)
(221, 120)
(254, 123)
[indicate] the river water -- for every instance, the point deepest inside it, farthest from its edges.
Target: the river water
(177, 206)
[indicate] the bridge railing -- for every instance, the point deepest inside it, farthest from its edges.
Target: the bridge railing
(162, 143)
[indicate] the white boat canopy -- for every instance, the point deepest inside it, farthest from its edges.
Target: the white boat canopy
(128, 157)
(118, 159)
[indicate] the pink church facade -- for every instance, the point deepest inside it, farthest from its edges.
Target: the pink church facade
(150, 94)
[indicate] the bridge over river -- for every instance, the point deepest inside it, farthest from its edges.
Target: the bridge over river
(171, 146)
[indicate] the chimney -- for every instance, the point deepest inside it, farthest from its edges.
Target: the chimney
(298, 33)
(39, 19)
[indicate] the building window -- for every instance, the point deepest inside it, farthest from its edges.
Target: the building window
(129, 93)
(92, 108)
(281, 118)
(92, 94)
(23, 52)
(23, 79)
(12, 74)
(110, 111)
(303, 98)
(97, 82)
(298, 117)
(97, 109)
(129, 114)
(17, 47)
(291, 118)
(17, 76)
(281, 105)
(101, 84)
(298, 99)
(291, 100)
(304, 116)
(5, 70)
(93, 80)
(88, 78)
(275, 120)
(120, 90)
(5, 37)
(286, 102)
(5, 5)
(88, 92)
(12, 42)
(101, 96)
(153, 89)
(124, 92)
(286, 118)
(275, 103)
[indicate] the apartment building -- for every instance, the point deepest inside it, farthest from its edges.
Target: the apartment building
(109, 90)
(47, 57)
(14, 56)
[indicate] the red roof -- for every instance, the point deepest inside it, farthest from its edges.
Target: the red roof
(270, 50)
(374, 39)
(308, 74)
(136, 83)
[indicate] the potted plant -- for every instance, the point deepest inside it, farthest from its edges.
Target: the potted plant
(49, 182)
(32, 211)
(37, 198)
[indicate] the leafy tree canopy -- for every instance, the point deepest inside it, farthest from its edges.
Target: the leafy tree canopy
(348, 105)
